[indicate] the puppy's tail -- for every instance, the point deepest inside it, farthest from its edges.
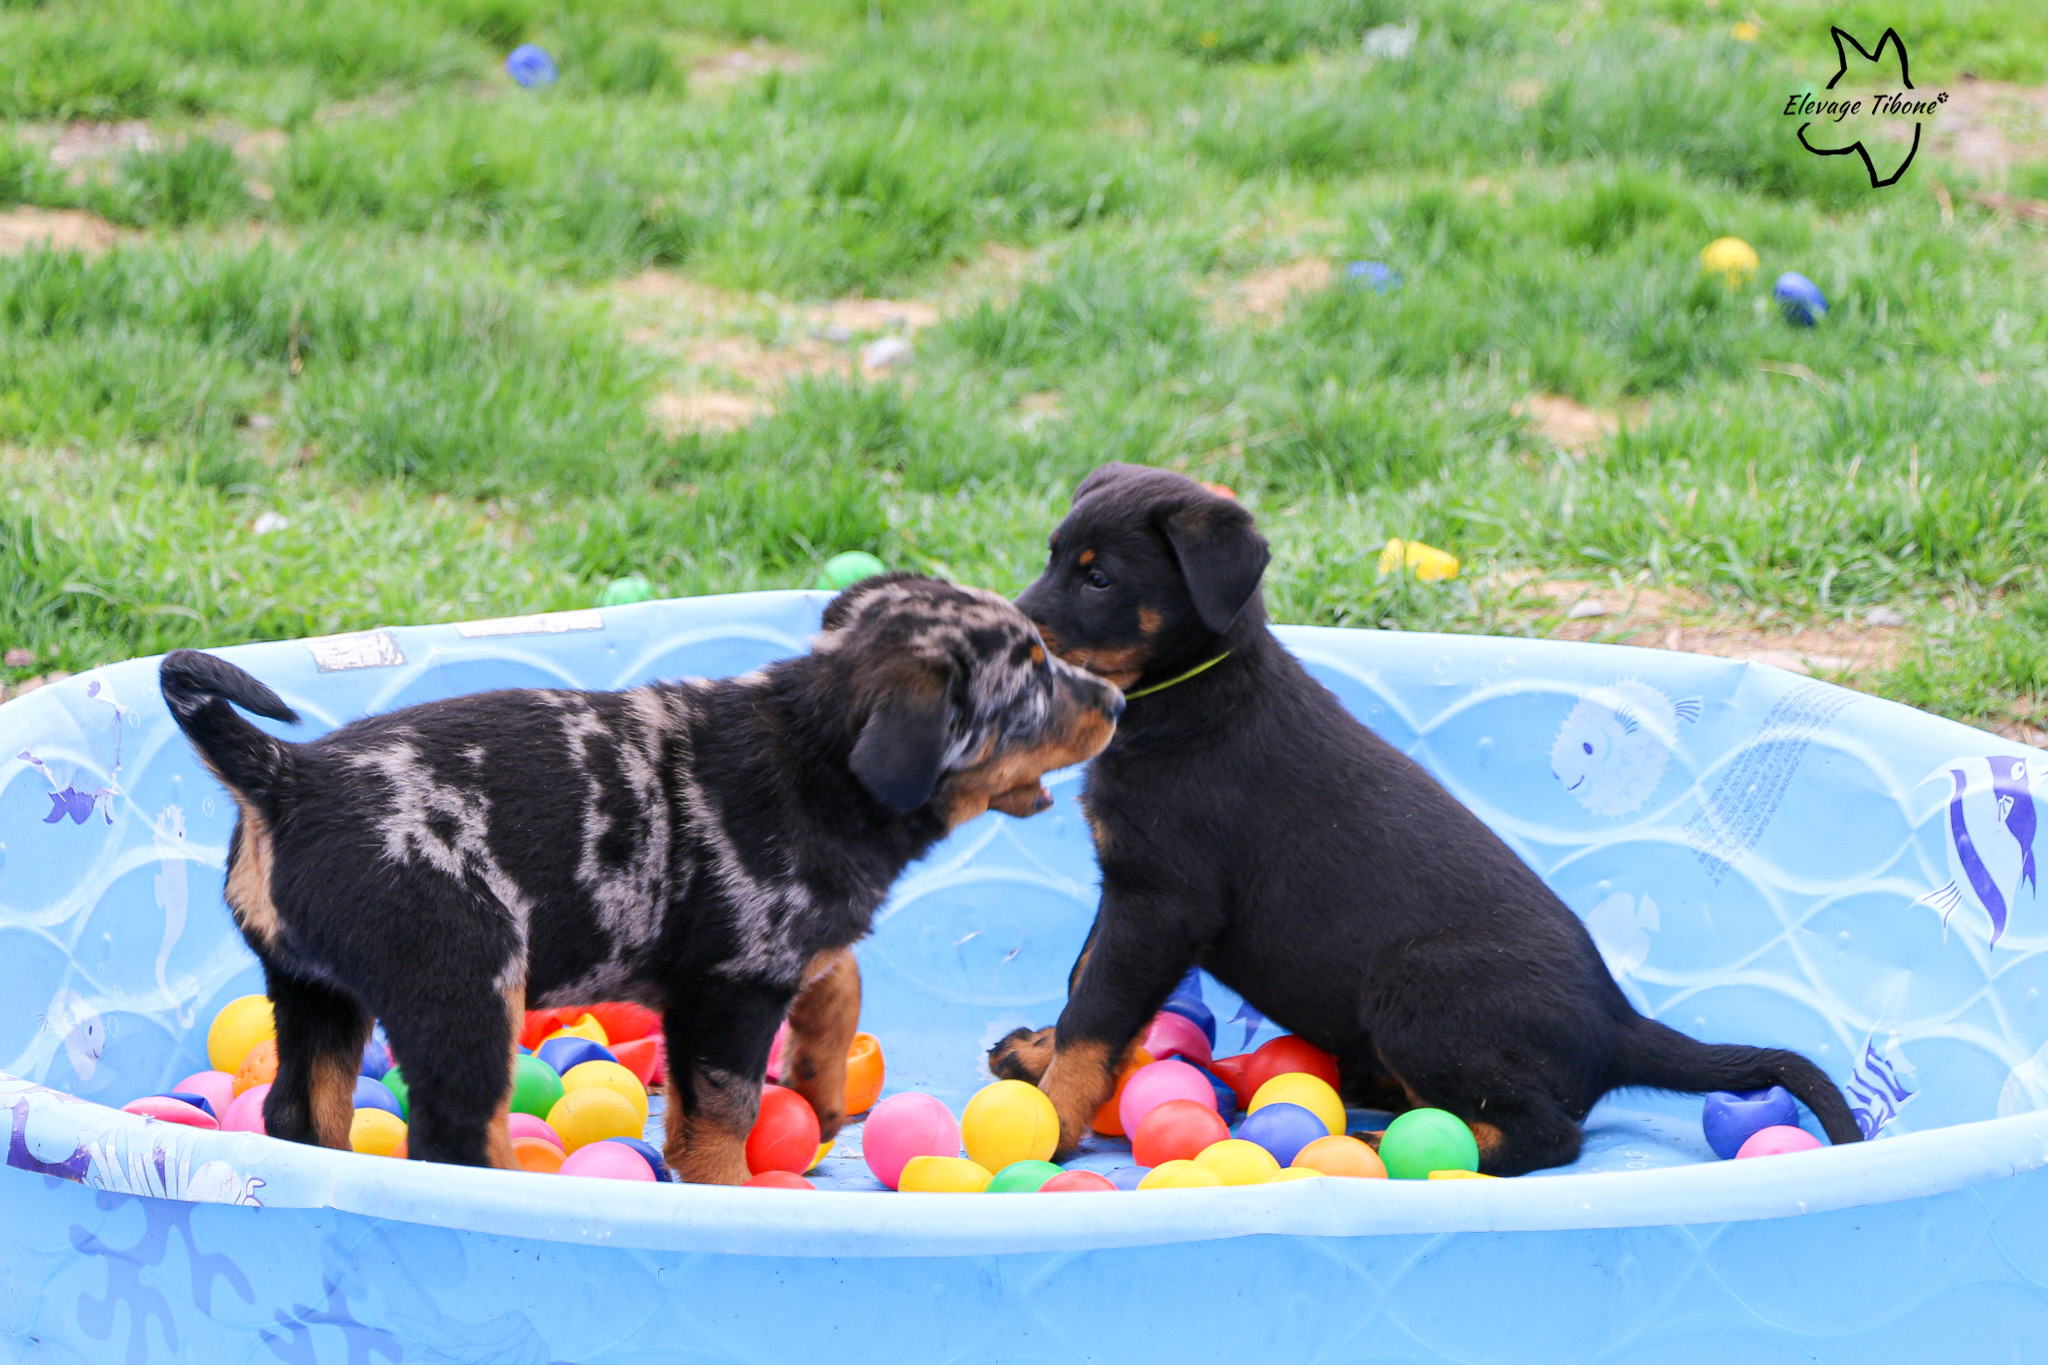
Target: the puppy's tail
(1661, 1058)
(198, 688)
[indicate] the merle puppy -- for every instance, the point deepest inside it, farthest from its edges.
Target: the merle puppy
(708, 849)
(1246, 823)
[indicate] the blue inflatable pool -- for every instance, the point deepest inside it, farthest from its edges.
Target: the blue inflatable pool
(1761, 858)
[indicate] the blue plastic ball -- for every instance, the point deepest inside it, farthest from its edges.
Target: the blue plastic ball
(563, 1053)
(530, 65)
(1195, 1012)
(1378, 276)
(1283, 1130)
(376, 1055)
(1800, 299)
(374, 1094)
(1226, 1098)
(1127, 1177)
(1730, 1117)
(646, 1150)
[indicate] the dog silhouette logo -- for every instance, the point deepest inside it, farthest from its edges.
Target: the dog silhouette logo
(1899, 105)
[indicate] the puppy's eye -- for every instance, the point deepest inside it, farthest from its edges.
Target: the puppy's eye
(1096, 578)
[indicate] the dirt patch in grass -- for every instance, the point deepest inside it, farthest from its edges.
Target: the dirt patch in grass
(1263, 295)
(1988, 125)
(57, 229)
(705, 410)
(1568, 424)
(737, 64)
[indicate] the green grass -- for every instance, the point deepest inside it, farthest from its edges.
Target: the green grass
(398, 329)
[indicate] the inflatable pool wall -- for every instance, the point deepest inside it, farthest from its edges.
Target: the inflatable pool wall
(1761, 858)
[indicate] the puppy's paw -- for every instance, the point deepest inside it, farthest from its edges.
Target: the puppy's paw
(1022, 1056)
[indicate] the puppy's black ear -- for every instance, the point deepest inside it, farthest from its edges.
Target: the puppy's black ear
(1221, 556)
(901, 747)
(1103, 475)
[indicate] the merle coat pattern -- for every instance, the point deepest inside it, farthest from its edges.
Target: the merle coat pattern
(710, 849)
(1247, 823)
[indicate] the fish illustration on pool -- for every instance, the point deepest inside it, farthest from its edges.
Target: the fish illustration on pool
(1613, 748)
(1990, 820)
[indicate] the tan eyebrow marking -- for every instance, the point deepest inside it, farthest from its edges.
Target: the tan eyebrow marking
(1087, 558)
(1038, 654)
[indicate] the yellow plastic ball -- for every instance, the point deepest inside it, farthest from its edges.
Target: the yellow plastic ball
(1733, 259)
(592, 1114)
(1461, 1175)
(943, 1175)
(1312, 1093)
(241, 1024)
(824, 1150)
(375, 1132)
(1237, 1162)
(1281, 1177)
(612, 1077)
(1180, 1175)
(1009, 1122)
(586, 1027)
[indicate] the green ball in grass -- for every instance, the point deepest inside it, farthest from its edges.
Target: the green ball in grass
(843, 571)
(1425, 1140)
(535, 1087)
(394, 1081)
(625, 591)
(1022, 1177)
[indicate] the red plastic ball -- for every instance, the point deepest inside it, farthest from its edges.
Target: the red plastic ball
(785, 1136)
(1080, 1182)
(1178, 1130)
(623, 1021)
(1281, 1055)
(778, 1180)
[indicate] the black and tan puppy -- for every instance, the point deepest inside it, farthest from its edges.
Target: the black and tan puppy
(705, 848)
(1246, 823)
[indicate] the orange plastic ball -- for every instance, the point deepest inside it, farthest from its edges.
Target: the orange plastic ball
(259, 1067)
(1341, 1155)
(537, 1155)
(1107, 1121)
(863, 1073)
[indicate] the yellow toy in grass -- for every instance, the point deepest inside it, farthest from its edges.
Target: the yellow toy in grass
(1733, 259)
(1426, 562)
(241, 1024)
(943, 1175)
(1008, 1122)
(1312, 1093)
(612, 1077)
(375, 1132)
(1237, 1162)
(1180, 1175)
(592, 1114)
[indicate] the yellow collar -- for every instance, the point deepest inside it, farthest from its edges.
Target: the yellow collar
(1161, 687)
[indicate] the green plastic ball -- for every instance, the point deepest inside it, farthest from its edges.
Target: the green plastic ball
(622, 592)
(843, 571)
(394, 1081)
(535, 1087)
(1022, 1177)
(1425, 1140)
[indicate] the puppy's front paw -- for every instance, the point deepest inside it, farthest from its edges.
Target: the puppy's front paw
(1022, 1056)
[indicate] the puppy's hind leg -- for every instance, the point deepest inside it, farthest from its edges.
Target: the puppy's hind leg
(455, 1048)
(822, 1022)
(320, 1037)
(719, 1031)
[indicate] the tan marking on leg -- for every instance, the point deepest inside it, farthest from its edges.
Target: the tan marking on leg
(498, 1135)
(332, 1099)
(1488, 1137)
(1079, 1079)
(708, 1146)
(822, 1021)
(248, 886)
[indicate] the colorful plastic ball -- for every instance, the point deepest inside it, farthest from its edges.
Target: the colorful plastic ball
(824, 1150)
(1305, 1091)
(1776, 1141)
(536, 1087)
(1377, 276)
(1231, 1071)
(1729, 1117)
(1007, 1122)
(1152, 1086)
(623, 1021)
(1023, 1177)
(245, 1115)
(1180, 1175)
(1461, 1175)
(607, 1161)
(1178, 1130)
(593, 1114)
(1237, 1162)
(1425, 1140)
(1799, 299)
(1289, 1173)
(586, 1026)
(1175, 1035)
(1283, 1129)
(564, 1054)
(1128, 1177)
(1195, 1012)
(943, 1175)
(612, 1077)
(199, 1101)
(865, 1070)
(241, 1024)
(778, 1180)
(646, 1058)
(171, 1109)
(519, 1125)
(785, 1134)
(1341, 1155)
(648, 1154)
(537, 1155)
(623, 592)
(905, 1126)
(1079, 1182)
(530, 65)
(1279, 1056)
(540, 1025)
(1733, 259)
(1226, 1098)
(394, 1081)
(842, 571)
(217, 1086)
(376, 1055)
(375, 1132)
(259, 1067)
(1105, 1120)
(372, 1094)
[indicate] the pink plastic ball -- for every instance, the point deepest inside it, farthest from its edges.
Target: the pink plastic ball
(217, 1086)
(1776, 1141)
(775, 1053)
(533, 1126)
(164, 1109)
(1154, 1085)
(904, 1126)
(1176, 1035)
(608, 1161)
(245, 1115)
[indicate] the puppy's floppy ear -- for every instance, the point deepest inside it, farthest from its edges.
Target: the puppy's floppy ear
(903, 744)
(1103, 475)
(1221, 554)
